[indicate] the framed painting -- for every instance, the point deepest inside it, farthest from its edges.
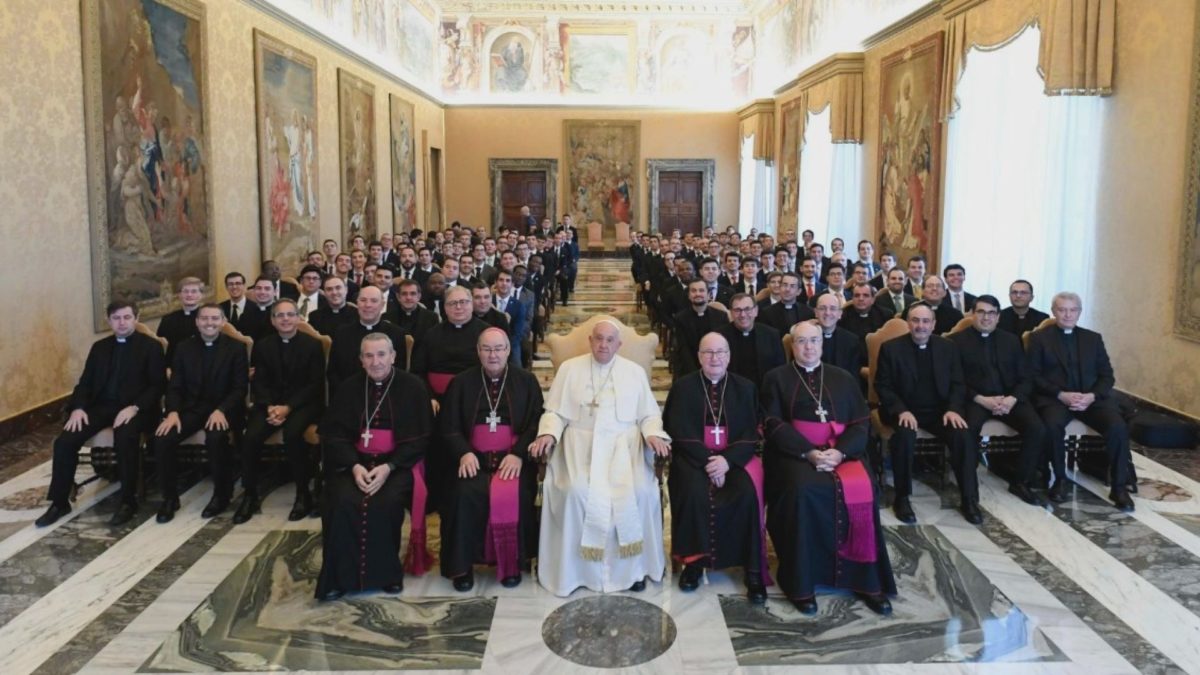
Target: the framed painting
(149, 195)
(1187, 308)
(791, 120)
(510, 59)
(598, 59)
(909, 163)
(288, 171)
(356, 125)
(404, 165)
(602, 157)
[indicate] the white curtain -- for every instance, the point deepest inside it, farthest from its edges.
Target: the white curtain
(757, 194)
(830, 184)
(1021, 177)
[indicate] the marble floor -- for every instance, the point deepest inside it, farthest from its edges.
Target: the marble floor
(1074, 588)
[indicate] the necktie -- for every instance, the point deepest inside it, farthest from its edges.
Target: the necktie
(810, 289)
(751, 288)
(234, 312)
(957, 301)
(898, 300)
(304, 308)
(712, 292)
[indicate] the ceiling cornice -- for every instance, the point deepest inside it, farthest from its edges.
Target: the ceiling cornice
(837, 64)
(724, 8)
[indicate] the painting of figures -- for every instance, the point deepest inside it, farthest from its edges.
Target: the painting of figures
(909, 155)
(792, 118)
(510, 59)
(404, 166)
(147, 140)
(415, 38)
(598, 59)
(602, 156)
(356, 123)
(287, 151)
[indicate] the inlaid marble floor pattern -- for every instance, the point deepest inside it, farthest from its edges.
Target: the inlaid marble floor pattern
(1076, 588)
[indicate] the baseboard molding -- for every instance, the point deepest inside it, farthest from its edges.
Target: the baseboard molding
(24, 422)
(604, 254)
(1147, 404)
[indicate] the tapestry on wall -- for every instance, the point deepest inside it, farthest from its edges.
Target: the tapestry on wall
(356, 123)
(1187, 308)
(792, 123)
(147, 150)
(404, 166)
(910, 133)
(286, 93)
(601, 162)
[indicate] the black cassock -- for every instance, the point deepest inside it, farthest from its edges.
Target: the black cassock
(361, 534)
(711, 526)
(807, 516)
(465, 507)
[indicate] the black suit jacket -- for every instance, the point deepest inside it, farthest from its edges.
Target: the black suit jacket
(818, 288)
(288, 290)
(327, 321)
(862, 326)
(1010, 322)
(1048, 364)
(344, 358)
(884, 299)
(1010, 364)
(297, 381)
(689, 328)
(256, 323)
(774, 316)
(945, 317)
(177, 327)
(768, 349)
(143, 375)
(240, 324)
(414, 324)
(224, 387)
(844, 350)
(896, 375)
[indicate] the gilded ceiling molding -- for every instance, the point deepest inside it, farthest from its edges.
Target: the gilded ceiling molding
(709, 7)
(844, 63)
(913, 18)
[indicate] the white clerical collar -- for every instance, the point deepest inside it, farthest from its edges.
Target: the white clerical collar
(208, 343)
(368, 326)
(983, 334)
(746, 333)
(1068, 331)
(188, 312)
(716, 381)
(809, 369)
(457, 325)
(923, 346)
(285, 340)
(337, 310)
(863, 315)
(121, 340)
(828, 335)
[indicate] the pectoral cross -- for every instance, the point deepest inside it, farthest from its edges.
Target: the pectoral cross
(717, 432)
(593, 405)
(822, 412)
(492, 420)
(367, 436)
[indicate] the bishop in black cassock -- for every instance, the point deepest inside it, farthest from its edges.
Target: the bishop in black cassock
(821, 500)
(374, 437)
(489, 417)
(716, 478)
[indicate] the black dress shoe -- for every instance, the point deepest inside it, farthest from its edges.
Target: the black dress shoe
(1058, 492)
(904, 511)
(511, 582)
(301, 507)
(876, 603)
(689, 579)
(394, 589)
(52, 514)
(970, 511)
(166, 512)
(215, 507)
(464, 583)
(124, 513)
(1026, 495)
(246, 508)
(331, 595)
(756, 593)
(638, 586)
(1122, 501)
(807, 607)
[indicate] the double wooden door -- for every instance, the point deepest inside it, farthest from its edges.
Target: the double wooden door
(522, 188)
(679, 201)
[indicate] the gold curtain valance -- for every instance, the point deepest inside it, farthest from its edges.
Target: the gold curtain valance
(836, 82)
(758, 119)
(1078, 44)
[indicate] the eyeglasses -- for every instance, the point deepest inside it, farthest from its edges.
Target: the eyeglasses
(989, 313)
(1014, 292)
(288, 315)
(493, 350)
(714, 353)
(458, 303)
(743, 310)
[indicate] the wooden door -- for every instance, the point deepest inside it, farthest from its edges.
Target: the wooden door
(522, 188)
(679, 197)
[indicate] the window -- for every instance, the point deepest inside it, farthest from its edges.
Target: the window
(1021, 177)
(757, 194)
(830, 183)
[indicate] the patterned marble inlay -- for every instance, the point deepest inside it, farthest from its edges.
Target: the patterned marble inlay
(263, 617)
(946, 611)
(609, 631)
(29, 498)
(1159, 491)
(1188, 521)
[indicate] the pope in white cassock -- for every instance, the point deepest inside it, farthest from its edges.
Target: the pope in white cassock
(601, 514)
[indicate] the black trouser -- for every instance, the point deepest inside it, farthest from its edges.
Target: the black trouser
(1103, 416)
(258, 431)
(964, 456)
(126, 442)
(216, 445)
(566, 285)
(1026, 421)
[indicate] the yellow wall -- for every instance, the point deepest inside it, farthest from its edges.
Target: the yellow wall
(1141, 193)
(46, 262)
(476, 134)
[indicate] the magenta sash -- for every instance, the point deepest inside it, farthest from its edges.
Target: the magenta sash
(754, 469)
(857, 493)
(439, 382)
(500, 539)
(417, 560)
